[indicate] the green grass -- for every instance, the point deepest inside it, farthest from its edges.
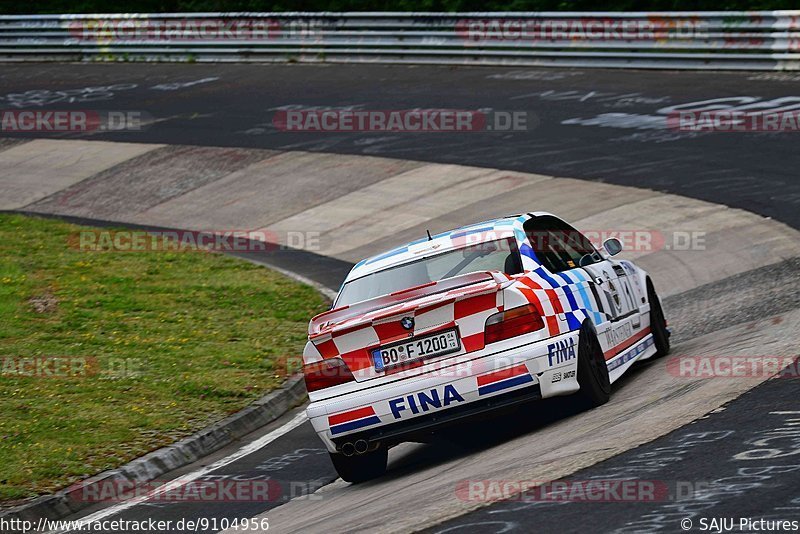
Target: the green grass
(173, 341)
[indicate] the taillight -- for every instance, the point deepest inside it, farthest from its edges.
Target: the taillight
(512, 323)
(326, 373)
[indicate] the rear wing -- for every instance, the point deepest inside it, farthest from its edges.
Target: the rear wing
(324, 322)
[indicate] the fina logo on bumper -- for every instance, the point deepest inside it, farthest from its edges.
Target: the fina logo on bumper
(423, 401)
(561, 351)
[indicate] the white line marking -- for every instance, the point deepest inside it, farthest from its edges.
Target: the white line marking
(250, 448)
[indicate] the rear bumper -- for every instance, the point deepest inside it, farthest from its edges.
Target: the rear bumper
(420, 427)
(406, 409)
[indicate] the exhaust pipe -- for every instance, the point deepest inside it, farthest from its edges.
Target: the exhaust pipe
(361, 446)
(348, 449)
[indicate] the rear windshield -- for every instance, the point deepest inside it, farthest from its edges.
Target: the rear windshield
(499, 255)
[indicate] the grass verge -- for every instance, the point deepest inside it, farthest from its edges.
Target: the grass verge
(105, 356)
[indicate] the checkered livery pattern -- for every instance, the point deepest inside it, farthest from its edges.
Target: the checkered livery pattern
(465, 308)
(568, 293)
(526, 358)
(565, 300)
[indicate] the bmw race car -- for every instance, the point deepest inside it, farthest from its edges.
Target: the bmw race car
(469, 321)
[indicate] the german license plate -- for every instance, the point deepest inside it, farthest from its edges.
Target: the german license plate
(416, 349)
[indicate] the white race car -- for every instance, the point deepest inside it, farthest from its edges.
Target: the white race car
(469, 321)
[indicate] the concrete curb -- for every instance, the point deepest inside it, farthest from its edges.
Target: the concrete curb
(156, 463)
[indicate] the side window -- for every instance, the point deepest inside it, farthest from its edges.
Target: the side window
(558, 245)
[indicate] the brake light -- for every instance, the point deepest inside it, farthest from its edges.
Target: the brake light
(512, 323)
(326, 373)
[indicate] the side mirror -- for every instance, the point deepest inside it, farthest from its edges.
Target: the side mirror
(612, 246)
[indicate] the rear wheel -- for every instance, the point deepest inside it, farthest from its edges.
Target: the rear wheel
(658, 323)
(592, 368)
(361, 467)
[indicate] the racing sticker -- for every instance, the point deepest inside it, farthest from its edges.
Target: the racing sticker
(631, 354)
(424, 401)
(503, 379)
(558, 376)
(353, 419)
(561, 351)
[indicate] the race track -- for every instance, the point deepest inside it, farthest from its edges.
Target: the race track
(607, 125)
(738, 295)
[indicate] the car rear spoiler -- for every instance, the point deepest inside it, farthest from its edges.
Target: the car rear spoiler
(324, 322)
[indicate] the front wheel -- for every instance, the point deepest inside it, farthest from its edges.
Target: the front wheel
(658, 323)
(363, 467)
(592, 368)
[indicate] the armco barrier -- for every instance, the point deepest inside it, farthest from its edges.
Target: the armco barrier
(757, 40)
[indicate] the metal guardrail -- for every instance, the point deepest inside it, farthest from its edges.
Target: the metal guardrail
(757, 40)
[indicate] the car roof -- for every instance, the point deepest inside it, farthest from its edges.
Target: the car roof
(440, 242)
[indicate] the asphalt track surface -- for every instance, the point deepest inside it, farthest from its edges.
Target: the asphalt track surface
(752, 171)
(580, 123)
(706, 470)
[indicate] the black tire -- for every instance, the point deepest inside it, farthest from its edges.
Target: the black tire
(360, 468)
(658, 323)
(592, 368)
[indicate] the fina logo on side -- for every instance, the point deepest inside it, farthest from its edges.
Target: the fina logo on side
(561, 351)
